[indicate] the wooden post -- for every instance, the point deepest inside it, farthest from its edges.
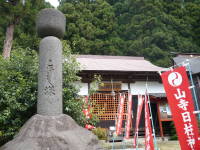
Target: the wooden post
(160, 122)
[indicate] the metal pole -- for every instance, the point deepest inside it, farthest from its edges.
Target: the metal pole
(113, 142)
(137, 141)
(137, 130)
(154, 134)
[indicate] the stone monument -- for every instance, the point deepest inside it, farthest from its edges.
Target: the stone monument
(50, 129)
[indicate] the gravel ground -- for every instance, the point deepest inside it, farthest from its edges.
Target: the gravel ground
(128, 145)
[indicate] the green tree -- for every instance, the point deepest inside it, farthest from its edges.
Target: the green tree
(18, 20)
(91, 27)
(18, 90)
(151, 28)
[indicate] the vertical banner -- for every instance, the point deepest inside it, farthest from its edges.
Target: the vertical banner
(120, 114)
(148, 130)
(139, 111)
(129, 118)
(179, 97)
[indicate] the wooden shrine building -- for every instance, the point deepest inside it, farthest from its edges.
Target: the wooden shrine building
(123, 74)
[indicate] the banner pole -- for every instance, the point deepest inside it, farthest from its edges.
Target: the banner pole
(193, 88)
(137, 141)
(154, 134)
(113, 142)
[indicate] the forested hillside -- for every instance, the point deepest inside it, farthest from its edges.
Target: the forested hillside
(149, 28)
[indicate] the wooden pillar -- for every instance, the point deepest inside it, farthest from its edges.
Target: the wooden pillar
(160, 122)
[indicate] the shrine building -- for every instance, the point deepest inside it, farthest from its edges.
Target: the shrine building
(120, 75)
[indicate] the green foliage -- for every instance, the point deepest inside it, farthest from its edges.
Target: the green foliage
(18, 90)
(151, 28)
(94, 85)
(23, 16)
(72, 102)
(101, 133)
(90, 26)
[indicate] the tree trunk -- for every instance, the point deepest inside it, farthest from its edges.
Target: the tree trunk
(8, 41)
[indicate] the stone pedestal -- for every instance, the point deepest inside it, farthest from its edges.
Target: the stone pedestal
(52, 133)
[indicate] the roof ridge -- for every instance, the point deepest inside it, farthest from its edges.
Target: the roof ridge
(110, 57)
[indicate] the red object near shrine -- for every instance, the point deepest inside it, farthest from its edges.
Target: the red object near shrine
(120, 115)
(139, 111)
(148, 129)
(89, 127)
(129, 118)
(180, 100)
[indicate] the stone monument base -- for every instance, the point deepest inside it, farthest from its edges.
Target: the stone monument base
(52, 133)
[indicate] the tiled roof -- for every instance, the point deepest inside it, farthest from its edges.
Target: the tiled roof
(116, 63)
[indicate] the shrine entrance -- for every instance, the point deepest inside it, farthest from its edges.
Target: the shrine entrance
(105, 106)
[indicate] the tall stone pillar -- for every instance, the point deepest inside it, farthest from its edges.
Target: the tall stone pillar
(50, 26)
(50, 77)
(50, 129)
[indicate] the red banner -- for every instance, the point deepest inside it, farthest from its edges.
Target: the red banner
(139, 111)
(148, 130)
(129, 118)
(179, 97)
(120, 115)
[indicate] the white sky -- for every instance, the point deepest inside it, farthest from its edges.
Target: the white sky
(55, 3)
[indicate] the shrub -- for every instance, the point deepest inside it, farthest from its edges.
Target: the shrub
(18, 90)
(101, 133)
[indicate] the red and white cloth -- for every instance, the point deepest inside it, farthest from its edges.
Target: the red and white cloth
(148, 129)
(129, 118)
(180, 100)
(120, 114)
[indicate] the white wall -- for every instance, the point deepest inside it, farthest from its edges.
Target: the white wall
(139, 87)
(83, 88)
(124, 86)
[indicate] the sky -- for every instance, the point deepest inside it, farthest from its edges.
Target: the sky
(55, 3)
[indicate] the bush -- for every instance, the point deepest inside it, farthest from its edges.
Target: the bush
(18, 90)
(101, 133)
